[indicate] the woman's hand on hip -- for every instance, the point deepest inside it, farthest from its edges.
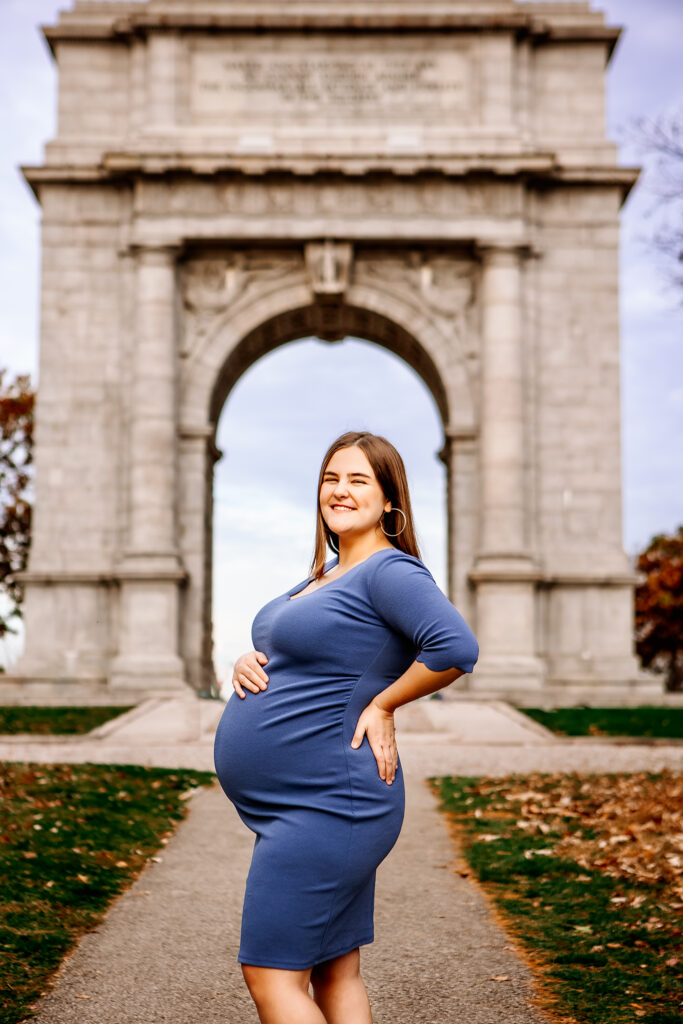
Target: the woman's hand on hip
(248, 674)
(378, 726)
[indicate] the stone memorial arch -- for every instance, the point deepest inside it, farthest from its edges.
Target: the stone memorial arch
(227, 176)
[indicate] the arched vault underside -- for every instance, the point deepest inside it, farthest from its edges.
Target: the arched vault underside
(329, 323)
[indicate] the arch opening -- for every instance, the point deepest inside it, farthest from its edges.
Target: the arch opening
(264, 490)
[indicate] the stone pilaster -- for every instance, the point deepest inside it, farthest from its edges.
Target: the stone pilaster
(504, 573)
(150, 570)
(162, 81)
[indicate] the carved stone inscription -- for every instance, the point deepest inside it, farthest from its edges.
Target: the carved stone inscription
(371, 86)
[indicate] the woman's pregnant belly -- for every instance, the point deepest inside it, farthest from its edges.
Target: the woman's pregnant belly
(283, 744)
(286, 747)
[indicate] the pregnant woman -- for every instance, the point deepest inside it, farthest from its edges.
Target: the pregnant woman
(306, 750)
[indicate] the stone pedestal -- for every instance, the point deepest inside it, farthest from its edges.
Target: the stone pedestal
(148, 658)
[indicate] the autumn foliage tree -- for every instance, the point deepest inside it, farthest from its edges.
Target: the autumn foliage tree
(17, 400)
(659, 608)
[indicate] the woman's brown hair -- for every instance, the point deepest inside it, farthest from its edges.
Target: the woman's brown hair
(388, 467)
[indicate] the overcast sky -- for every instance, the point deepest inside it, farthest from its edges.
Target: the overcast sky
(286, 409)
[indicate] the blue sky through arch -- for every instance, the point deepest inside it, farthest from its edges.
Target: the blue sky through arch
(275, 427)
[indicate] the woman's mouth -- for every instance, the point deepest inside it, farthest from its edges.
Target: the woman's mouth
(342, 508)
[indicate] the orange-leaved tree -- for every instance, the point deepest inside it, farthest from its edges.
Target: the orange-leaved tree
(17, 400)
(659, 608)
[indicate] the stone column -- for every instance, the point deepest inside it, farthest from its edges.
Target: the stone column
(504, 572)
(459, 455)
(150, 571)
(198, 455)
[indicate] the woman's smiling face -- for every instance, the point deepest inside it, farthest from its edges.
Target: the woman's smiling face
(351, 499)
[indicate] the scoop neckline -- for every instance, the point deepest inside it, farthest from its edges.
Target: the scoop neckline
(291, 594)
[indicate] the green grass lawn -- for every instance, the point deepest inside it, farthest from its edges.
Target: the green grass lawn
(651, 722)
(71, 838)
(584, 872)
(46, 720)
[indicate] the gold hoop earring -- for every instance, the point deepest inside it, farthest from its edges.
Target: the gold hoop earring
(405, 523)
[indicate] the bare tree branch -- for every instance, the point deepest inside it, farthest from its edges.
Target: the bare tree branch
(660, 140)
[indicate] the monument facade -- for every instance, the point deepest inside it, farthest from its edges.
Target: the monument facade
(227, 176)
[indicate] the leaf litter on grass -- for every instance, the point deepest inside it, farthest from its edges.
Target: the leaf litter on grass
(72, 837)
(588, 872)
(628, 826)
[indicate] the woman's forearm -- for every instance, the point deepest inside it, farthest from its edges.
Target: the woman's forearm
(416, 681)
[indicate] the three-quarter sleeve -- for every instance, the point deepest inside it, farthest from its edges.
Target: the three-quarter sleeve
(405, 594)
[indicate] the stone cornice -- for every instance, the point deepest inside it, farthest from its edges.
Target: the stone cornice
(84, 576)
(539, 22)
(534, 169)
(588, 579)
(96, 577)
(543, 579)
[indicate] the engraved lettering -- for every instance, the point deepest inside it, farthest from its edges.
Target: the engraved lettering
(370, 87)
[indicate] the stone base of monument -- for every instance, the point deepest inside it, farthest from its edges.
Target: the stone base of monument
(154, 720)
(649, 690)
(500, 674)
(154, 675)
(78, 693)
(62, 692)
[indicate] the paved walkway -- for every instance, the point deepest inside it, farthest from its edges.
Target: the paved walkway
(166, 950)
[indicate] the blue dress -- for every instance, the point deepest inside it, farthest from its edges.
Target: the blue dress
(323, 817)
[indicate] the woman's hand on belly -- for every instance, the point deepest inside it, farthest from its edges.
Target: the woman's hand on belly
(378, 726)
(248, 673)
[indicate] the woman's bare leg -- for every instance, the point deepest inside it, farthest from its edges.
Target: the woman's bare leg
(339, 990)
(281, 996)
